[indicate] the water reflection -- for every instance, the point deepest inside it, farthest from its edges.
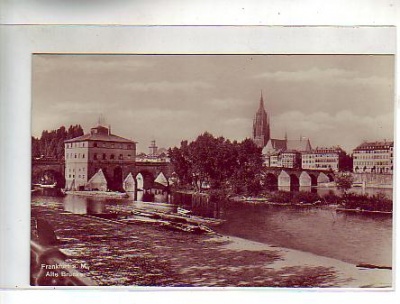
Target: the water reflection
(82, 205)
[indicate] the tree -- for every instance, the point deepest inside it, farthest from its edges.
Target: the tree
(248, 172)
(344, 181)
(51, 143)
(218, 163)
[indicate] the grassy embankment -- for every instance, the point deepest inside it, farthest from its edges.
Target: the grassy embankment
(377, 202)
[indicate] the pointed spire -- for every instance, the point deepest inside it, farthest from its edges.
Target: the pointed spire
(261, 101)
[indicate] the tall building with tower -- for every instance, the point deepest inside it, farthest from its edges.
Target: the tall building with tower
(261, 129)
(277, 152)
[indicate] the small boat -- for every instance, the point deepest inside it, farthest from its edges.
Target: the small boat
(183, 211)
(51, 186)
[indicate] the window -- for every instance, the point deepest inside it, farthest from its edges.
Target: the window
(75, 155)
(95, 156)
(104, 156)
(95, 145)
(120, 156)
(83, 155)
(112, 156)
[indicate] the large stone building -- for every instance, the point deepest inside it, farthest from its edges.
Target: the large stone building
(99, 152)
(373, 157)
(323, 158)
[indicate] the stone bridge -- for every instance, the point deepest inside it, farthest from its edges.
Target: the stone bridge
(48, 171)
(288, 177)
(51, 170)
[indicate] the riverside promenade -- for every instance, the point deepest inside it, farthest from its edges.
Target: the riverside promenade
(117, 254)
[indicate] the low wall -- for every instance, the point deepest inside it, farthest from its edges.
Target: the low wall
(374, 179)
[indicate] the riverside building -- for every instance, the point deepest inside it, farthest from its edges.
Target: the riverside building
(324, 158)
(98, 156)
(373, 157)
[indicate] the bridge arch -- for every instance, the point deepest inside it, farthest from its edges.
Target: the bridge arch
(314, 178)
(48, 176)
(294, 180)
(148, 179)
(117, 179)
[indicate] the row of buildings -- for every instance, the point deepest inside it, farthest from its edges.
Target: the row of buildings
(116, 156)
(368, 157)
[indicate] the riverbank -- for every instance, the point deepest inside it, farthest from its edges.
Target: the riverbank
(98, 194)
(377, 203)
(144, 255)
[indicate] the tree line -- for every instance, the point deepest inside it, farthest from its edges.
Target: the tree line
(217, 163)
(51, 143)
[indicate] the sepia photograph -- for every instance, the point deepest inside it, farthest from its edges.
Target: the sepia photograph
(212, 170)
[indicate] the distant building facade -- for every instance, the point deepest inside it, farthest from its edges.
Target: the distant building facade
(373, 157)
(285, 153)
(155, 154)
(98, 150)
(324, 158)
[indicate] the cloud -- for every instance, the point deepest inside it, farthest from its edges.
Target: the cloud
(166, 86)
(325, 76)
(344, 128)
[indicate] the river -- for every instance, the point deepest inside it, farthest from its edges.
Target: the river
(353, 238)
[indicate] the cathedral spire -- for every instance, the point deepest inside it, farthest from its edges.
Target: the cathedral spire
(261, 131)
(261, 101)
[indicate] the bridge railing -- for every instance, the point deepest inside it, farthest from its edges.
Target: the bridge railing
(49, 268)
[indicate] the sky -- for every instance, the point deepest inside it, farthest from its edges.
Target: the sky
(331, 99)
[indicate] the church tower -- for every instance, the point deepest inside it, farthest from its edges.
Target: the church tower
(261, 131)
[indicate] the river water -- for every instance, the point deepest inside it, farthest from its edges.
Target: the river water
(352, 238)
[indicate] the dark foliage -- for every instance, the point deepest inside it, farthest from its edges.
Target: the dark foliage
(51, 143)
(214, 163)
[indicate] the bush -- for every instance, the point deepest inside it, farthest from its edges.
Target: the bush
(377, 202)
(280, 197)
(305, 197)
(331, 198)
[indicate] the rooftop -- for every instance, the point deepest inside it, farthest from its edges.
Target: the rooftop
(100, 133)
(375, 145)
